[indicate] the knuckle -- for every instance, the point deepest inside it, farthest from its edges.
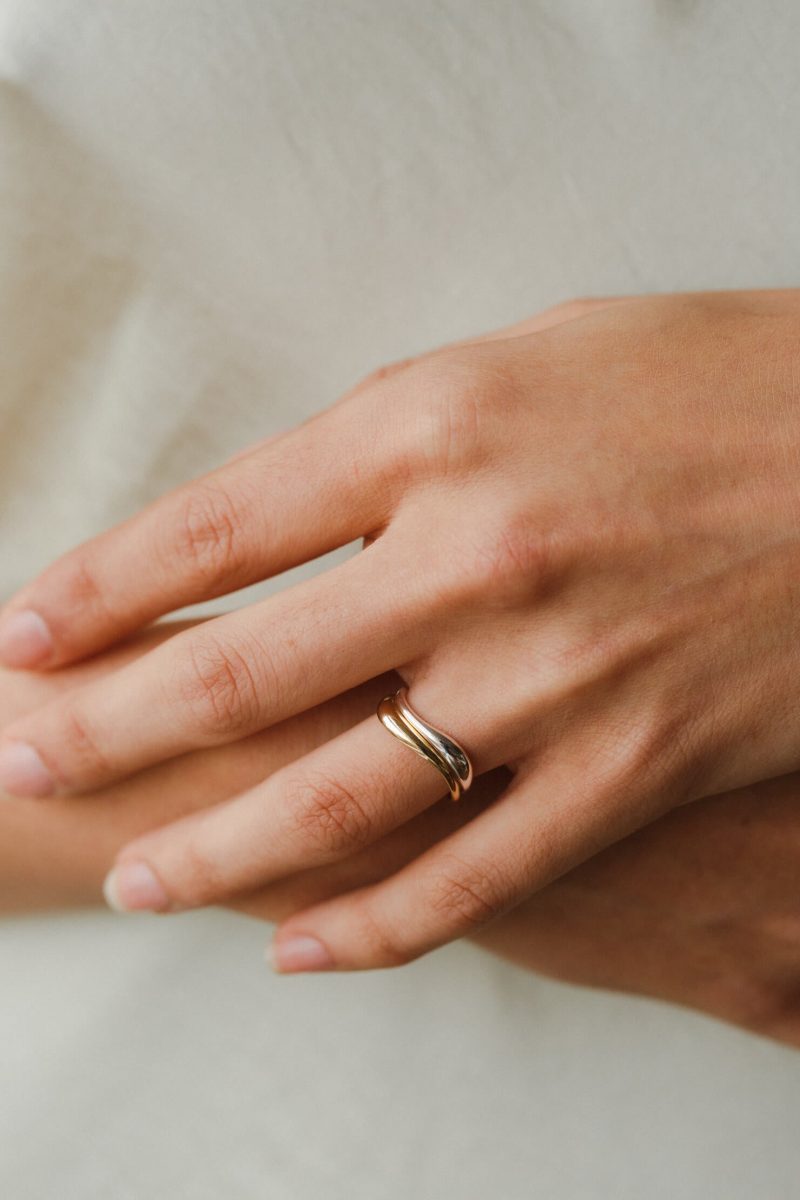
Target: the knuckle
(199, 878)
(83, 745)
(656, 742)
(467, 895)
(504, 564)
(645, 757)
(453, 399)
(208, 535)
(382, 946)
(219, 688)
(664, 750)
(75, 580)
(518, 560)
(327, 814)
(443, 408)
(455, 422)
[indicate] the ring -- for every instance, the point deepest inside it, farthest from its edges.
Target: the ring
(450, 759)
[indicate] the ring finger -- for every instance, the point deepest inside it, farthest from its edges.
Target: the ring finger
(327, 806)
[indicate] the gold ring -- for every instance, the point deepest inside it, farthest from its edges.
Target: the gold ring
(450, 759)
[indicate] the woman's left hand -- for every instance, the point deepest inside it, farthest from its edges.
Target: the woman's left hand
(699, 908)
(584, 560)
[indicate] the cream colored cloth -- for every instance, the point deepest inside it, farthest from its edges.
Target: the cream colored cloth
(215, 215)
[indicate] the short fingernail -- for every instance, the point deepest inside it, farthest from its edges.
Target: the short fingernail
(25, 639)
(134, 887)
(300, 952)
(22, 772)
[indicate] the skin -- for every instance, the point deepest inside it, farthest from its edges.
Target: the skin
(700, 909)
(582, 558)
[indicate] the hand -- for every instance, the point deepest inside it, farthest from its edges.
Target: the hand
(583, 562)
(698, 909)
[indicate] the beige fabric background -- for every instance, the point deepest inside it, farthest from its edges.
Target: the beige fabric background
(214, 216)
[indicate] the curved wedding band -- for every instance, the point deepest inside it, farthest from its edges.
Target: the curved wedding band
(450, 759)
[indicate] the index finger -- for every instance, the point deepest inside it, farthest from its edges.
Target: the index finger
(297, 496)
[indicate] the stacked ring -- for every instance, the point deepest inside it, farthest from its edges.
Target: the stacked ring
(450, 759)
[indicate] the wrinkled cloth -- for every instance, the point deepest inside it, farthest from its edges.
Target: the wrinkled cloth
(215, 216)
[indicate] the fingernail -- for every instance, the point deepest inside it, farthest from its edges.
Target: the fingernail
(25, 639)
(134, 887)
(22, 772)
(299, 953)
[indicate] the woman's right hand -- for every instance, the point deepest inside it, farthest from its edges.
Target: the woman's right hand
(699, 909)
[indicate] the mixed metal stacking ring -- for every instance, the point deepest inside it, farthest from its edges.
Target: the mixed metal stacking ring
(397, 715)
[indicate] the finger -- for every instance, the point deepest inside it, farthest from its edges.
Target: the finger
(225, 679)
(325, 807)
(296, 497)
(541, 827)
(289, 894)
